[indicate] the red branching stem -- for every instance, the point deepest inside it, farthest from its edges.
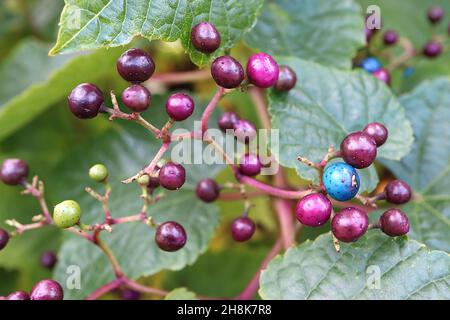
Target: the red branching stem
(237, 196)
(181, 77)
(261, 107)
(133, 218)
(110, 286)
(209, 110)
(151, 167)
(141, 288)
(283, 208)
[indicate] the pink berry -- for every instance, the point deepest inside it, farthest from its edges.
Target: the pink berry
(262, 70)
(313, 210)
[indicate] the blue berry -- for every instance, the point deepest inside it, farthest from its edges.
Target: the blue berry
(341, 181)
(371, 64)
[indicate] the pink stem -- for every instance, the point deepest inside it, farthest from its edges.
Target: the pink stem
(110, 286)
(138, 287)
(182, 77)
(149, 169)
(261, 107)
(209, 110)
(274, 191)
(284, 212)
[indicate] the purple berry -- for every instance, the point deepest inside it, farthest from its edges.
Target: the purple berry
(207, 190)
(242, 229)
(47, 290)
(179, 106)
(4, 238)
(227, 72)
(390, 37)
(349, 224)
(227, 120)
(250, 165)
(85, 101)
(394, 223)
(378, 132)
(135, 65)
(48, 259)
(314, 210)
(244, 130)
(398, 192)
(432, 49)
(359, 150)
(262, 70)
(13, 171)
(170, 236)
(435, 14)
(128, 294)
(153, 183)
(172, 176)
(383, 75)
(18, 295)
(137, 98)
(286, 79)
(205, 37)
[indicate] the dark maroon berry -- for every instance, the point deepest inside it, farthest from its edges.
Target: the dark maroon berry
(227, 120)
(153, 183)
(137, 98)
(172, 176)
(48, 259)
(390, 37)
(128, 294)
(383, 75)
(349, 224)
(18, 295)
(313, 210)
(13, 171)
(377, 131)
(85, 101)
(180, 106)
(205, 37)
(398, 192)
(207, 190)
(4, 238)
(242, 229)
(250, 165)
(286, 79)
(435, 14)
(47, 290)
(170, 236)
(394, 223)
(432, 49)
(244, 130)
(135, 65)
(262, 70)
(359, 150)
(227, 72)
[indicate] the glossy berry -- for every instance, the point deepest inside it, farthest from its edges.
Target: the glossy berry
(85, 101)
(172, 176)
(153, 181)
(135, 65)
(66, 214)
(378, 132)
(313, 210)
(136, 98)
(227, 120)
(250, 165)
(128, 294)
(180, 106)
(205, 37)
(432, 49)
(262, 70)
(98, 172)
(394, 223)
(359, 150)
(48, 259)
(242, 229)
(244, 130)
(227, 72)
(18, 295)
(349, 224)
(170, 236)
(341, 181)
(207, 190)
(383, 75)
(286, 79)
(435, 14)
(370, 64)
(4, 238)
(13, 171)
(390, 37)
(47, 290)
(398, 192)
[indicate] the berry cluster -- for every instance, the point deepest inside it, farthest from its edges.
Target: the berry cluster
(43, 290)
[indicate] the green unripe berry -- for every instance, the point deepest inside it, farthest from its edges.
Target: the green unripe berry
(98, 173)
(143, 180)
(66, 214)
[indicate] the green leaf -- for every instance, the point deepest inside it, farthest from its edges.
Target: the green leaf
(32, 81)
(325, 31)
(180, 294)
(405, 269)
(427, 167)
(325, 106)
(88, 25)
